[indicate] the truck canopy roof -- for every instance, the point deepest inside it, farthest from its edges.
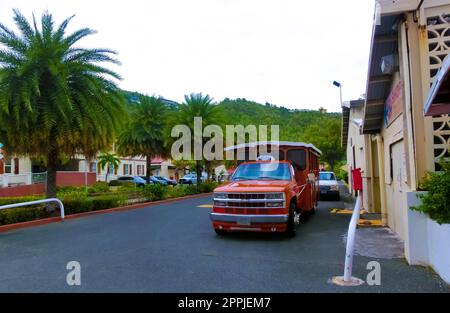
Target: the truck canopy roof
(286, 144)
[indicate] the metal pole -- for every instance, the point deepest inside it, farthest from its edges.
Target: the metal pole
(347, 279)
(351, 241)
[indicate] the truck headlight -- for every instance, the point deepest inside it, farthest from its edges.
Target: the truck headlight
(220, 204)
(220, 195)
(275, 195)
(334, 187)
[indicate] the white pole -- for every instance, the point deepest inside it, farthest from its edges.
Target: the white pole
(85, 174)
(347, 279)
(351, 241)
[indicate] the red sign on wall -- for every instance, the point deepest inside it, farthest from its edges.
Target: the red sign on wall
(394, 104)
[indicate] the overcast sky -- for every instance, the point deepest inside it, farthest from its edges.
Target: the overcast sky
(286, 52)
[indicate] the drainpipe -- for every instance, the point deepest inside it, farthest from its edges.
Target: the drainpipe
(380, 151)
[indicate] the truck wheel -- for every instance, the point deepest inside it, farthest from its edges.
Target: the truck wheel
(291, 226)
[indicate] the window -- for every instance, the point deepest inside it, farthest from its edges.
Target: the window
(8, 166)
(298, 158)
(127, 169)
(111, 169)
(93, 167)
(327, 176)
(140, 170)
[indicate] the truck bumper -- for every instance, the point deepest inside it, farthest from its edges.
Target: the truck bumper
(248, 220)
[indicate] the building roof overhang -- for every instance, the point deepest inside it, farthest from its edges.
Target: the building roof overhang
(346, 118)
(384, 43)
(438, 100)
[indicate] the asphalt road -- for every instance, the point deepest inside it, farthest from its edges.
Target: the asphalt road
(173, 248)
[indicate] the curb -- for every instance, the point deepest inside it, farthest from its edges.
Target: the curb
(50, 220)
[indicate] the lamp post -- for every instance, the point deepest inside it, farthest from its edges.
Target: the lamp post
(339, 85)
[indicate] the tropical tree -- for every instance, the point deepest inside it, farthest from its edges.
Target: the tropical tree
(195, 105)
(110, 160)
(326, 135)
(143, 136)
(56, 98)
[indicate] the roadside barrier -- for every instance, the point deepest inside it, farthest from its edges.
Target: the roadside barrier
(16, 205)
(347, 279)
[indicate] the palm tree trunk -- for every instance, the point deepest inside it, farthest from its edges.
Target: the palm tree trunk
(148, 172)
(52, 166)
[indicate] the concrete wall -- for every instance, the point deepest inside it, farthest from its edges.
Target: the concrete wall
(428, 243)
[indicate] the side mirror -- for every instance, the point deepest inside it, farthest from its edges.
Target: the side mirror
(311, 178)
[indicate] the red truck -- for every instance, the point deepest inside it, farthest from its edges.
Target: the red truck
(268, 194)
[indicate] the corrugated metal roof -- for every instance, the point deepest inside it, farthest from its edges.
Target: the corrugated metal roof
(384, 43)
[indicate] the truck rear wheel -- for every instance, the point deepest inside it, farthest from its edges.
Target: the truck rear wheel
(291, 228)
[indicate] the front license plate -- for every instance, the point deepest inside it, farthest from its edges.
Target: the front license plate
(244, 221)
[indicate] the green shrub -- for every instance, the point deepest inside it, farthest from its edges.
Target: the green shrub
(107, 202)
(114, 183)
(93, 203)
(19, 215)
(128, 187)
(155, 192)
(436, 202)
(12, 200)
(72, 194)
(99, 187)
(65, 189)
(206, 187)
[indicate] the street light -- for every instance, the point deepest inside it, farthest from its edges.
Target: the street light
(339, 85)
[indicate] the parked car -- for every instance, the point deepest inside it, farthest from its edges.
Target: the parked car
(329, 185)
(132, 179)
(190, 179)
(155, 181)
(167, 180)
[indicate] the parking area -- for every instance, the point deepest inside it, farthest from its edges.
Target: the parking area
(173, 248)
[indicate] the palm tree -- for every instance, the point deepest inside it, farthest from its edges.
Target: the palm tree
(55, 98)
(143, 136)
(195, 105)
(108, 159)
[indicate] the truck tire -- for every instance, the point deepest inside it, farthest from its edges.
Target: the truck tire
(291, 228)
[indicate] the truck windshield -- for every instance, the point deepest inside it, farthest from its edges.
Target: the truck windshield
(262, 171)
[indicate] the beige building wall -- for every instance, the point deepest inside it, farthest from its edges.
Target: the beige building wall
(357, 152)
(412, 143)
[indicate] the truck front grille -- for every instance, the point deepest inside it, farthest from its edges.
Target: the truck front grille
(251, 200)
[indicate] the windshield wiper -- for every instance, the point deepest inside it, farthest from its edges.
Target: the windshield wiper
(243, 178)
(270, 178)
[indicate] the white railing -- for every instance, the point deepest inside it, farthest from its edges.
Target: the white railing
(347, 279)
(16, 205)
(8, 180)
(16, 179)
